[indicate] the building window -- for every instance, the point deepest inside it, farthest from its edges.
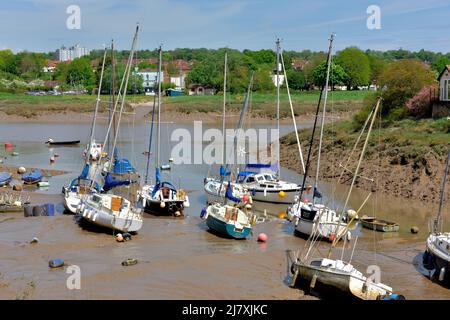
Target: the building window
(448, 90)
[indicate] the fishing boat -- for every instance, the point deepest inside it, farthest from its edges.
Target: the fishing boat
(162, 197)
(61, 143)
(437, 254)
(379, 225)
(32, 177)
(109, 210)
(5, 178)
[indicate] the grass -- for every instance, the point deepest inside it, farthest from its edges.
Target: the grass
(262, 104)
(409, 137)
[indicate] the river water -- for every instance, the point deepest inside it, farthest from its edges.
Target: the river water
(179, 258)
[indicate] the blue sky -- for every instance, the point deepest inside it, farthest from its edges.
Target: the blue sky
(40, 25)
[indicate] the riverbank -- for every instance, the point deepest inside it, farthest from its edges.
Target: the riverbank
(79, 108)
(404, 160)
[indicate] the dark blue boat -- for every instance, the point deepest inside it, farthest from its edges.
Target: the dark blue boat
(32, 177)
(5, 178)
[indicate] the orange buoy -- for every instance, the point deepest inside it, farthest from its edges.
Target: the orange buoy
(331, 237)
(262, 237)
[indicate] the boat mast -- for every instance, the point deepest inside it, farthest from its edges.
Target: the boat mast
(224, 106)
(158, 124)
(113, 89)
(308, 163)
(126, 77)
(278, 107)
(97, 105)
(325, 89)
(441, 201)
(355, 175)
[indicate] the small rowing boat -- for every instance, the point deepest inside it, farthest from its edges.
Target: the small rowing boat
(5, 178)
(32, 177)
(379, 225)
(61, 143)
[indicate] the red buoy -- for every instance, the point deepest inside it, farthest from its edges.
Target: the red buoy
(262, 237)
(8, 145)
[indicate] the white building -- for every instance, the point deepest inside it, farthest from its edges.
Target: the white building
(281, 75)
(149, 79)
(68, 54)
(444, 84)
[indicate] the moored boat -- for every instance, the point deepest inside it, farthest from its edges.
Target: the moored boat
(60, 143)
(32, 177)
(379, 225)
(228, 220)
(5, 178)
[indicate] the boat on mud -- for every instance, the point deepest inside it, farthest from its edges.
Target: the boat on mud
(379, 224)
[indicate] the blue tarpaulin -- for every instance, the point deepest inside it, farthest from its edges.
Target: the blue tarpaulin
(223, 172)
(317, 194)
(76, 182)
(246, 173)
(259, 165)
(112, 182)
(229, 194)
(157, 175)
(122, 166)
(163, 184)
(85, 172)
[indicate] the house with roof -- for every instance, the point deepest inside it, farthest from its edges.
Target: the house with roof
(441, 107)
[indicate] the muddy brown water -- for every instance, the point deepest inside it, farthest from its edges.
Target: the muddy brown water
(180, 258)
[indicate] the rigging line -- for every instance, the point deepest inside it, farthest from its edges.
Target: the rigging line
(357, 168)
(293, 117)
(322, 123)
(278, 106)
(150, 140)
(310, 148)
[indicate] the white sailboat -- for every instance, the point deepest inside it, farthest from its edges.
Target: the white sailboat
(327, 275)
(86, 182)
(309, 216)
(437, 254)
(215, 187)
(161, 198)
(104, 209)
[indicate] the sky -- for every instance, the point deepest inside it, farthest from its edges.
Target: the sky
(41, 25)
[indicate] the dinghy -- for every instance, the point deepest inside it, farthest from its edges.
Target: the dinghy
(32, 177)
(5, 178)
(378, 224)
(61, 143)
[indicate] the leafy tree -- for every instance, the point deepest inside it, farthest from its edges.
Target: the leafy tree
(440, 63)
(377, 67)
(79, 73)
(309, 67)
(146, 65)
(337, 75)
(262, 81)
(296, 80)
(401, 81)
(356, 65)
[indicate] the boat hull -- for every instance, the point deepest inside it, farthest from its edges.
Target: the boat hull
(380, 226)
(227, 229)
(322, 229)
(440, 256)
(170, 208)
(273, 196)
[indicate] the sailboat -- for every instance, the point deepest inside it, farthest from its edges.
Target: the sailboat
(86, 182)
(261, 179)
(222, 217)
(162, 198)
(215, 187)
(437, 254)
(327, 275)
(106, 209)
(311, 217)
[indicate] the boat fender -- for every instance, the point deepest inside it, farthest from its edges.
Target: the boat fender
(204, 214)
(56, 263)
(129, 262)
(281, 194)
(162, 204)
(126, 236)
(442, 274)
(254, 220)
(348, 236)
(186, 204)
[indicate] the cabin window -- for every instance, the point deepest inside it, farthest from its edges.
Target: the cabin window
(260, 179)
(268, 177)
(250, 179)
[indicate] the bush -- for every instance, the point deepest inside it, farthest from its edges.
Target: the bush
(419, 106)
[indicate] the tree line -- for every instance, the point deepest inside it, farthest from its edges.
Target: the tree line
(351, 67)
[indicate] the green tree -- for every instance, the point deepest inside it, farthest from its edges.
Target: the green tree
(401, 81)
(377, 67)
(356, 65)
(262, 81)
(296, 80)
(309, 67)
(439, 64)
(146, 65)
(337, 75)
(79, 73)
